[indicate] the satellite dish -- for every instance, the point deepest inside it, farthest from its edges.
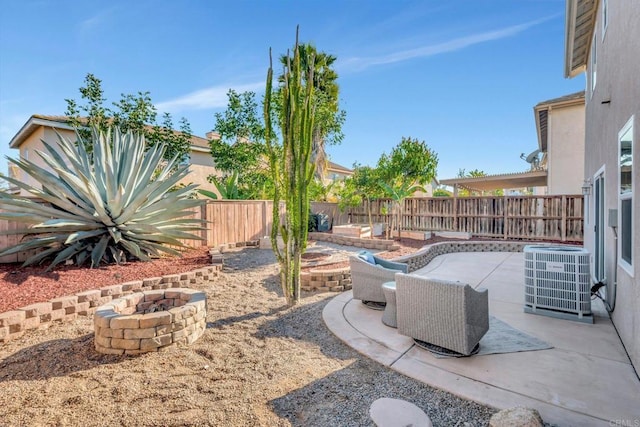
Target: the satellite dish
(532, 159)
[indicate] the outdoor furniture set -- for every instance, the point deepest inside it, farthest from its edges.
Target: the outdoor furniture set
(443, 316)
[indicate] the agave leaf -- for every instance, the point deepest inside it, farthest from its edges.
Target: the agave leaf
(131, 247)
(116, 235)
(40, 256)
(98, 251)
(81, 257)
(65, 254)
(81, 235)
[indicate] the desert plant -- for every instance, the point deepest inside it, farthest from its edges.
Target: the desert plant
(291, 167)
(101, 206)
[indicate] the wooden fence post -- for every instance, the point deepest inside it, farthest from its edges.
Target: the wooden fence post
(505, 214)
(563, 224)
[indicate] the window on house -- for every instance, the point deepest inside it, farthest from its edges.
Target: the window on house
(625, 234)
(605, 17)
(594, 63)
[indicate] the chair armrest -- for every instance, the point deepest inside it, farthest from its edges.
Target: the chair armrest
(402, 267)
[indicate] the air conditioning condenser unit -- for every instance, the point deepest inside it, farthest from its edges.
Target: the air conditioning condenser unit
(557, 282)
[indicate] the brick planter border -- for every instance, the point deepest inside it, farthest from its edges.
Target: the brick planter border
(14, 323)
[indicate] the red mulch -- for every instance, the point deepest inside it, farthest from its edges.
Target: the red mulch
(23, 286)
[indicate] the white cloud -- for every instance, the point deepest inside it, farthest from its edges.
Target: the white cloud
(211, 97)
(360, 63)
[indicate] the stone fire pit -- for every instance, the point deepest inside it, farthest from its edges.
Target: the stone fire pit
(150, 320)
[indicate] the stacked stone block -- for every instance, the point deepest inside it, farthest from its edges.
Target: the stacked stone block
(13, 324)
(365, 243)
(122, 326)
(335, 280)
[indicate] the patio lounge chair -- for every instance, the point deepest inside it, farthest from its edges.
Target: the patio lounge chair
(440, 313)
(368, 273)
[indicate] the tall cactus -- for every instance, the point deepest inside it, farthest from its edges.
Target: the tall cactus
(291, 167)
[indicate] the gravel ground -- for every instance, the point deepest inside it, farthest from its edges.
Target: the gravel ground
(258, 363)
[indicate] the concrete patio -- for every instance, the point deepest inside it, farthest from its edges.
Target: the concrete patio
(585, 379)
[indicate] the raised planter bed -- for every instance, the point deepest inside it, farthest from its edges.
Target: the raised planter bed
(148, 321)
(352, 230)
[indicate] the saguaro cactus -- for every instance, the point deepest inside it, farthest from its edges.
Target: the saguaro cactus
(291, 166)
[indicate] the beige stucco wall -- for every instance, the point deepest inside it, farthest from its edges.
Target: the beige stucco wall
(33, 144)
(565, 150)
(618, 68)
(201, 166)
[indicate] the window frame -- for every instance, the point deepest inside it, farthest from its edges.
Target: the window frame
(626, 266)
(593, 64)
(605, 17)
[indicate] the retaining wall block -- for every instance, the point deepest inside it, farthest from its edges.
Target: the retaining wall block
(37, 309)
(155, 319)
(150, 343)
(139, 333)
(125, 344)
(11, 318)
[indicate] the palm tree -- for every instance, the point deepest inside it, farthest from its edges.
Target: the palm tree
(328, 117)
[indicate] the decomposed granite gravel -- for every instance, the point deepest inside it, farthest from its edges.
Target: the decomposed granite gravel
(259, 363)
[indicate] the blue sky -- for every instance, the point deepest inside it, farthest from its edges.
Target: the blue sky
(462, 75)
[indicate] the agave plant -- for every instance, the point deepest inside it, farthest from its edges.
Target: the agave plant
(106, 206)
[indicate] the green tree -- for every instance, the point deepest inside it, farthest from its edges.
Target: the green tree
(327, 129)
(410, 166)
(367, 185)
(291, 166)
(135, 113)
(476, 173)
(241, 148)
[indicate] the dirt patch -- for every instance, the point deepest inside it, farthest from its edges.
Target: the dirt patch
(259, 363)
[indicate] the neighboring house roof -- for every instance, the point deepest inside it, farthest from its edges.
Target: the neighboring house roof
(62, 122)
(541, 113)
(580, 24)
(536, 178)
(338, 168)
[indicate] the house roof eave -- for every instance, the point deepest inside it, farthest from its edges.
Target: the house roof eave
(31, 125)
(580, 14)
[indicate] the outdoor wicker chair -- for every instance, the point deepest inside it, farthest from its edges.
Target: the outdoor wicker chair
(441, 315)
(368, 273)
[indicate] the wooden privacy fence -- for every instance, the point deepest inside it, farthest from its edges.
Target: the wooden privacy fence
(228, 221)
(510, 217)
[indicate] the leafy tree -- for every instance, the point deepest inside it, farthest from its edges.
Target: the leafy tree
(348, 195)
(134, 113)
(366, 181)
(441, 192)
(476, 173)
(320, 192)
(327, 127)
(407, 169)
(241, 149)
(291, 167)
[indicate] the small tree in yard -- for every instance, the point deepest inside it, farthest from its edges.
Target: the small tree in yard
(240, 151)
(135, 113)
(406, 170)
(291, 166)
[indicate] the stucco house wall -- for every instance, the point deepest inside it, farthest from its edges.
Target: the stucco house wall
(609, 106)
(565, 151)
